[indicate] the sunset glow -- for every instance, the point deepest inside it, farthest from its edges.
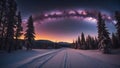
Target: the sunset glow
(59, 33)
(56, 29)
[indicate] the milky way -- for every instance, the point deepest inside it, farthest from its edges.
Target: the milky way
(64, 20)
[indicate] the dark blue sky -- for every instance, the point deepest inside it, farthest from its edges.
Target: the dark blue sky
(67, 29)
(36, 6)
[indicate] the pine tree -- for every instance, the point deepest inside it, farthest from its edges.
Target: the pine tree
(12, 8)
(83, 45)
(79, 44)
(117, 16)
(76, 44)
(29, 36)
(8, 21)
(102, 29)
(1, 15)
(18, 29)
(88, 42)
(3, 11)
(73, 44)
(103, 34)
(96, 43)
(93, 43)
(99, 26)
(114, 41)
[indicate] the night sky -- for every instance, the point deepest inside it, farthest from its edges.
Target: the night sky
(66, 29)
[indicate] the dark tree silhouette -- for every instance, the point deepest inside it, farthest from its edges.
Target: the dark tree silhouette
(99, 26)
(83, 44)
(103, 34)
(29, 36)
(73, 44)
(102, 29)
(114, 41)
(76, 44)
(12, 8)
(1, 15)
(96, 42)
(3, 12)
(10, 25)
(19, 29)
(89, 42)
(79, 43)
(117, 16)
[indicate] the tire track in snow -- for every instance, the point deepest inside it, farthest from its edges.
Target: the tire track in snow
(50, 57)
(39, 60)
(67, 62)
(64, 62)
(57, 61)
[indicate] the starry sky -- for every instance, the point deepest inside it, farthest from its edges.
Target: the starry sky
(67, 29)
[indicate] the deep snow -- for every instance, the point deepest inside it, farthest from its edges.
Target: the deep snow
(60, 58)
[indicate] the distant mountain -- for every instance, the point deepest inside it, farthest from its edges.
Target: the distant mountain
(50, 44)
(43, 44)
(44, 41)
(64, 44)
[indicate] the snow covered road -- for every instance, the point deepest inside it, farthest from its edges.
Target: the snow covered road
(71, 58)
(67, 58)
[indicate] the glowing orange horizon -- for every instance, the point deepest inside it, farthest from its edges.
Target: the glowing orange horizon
(46, 36)
(51, 38)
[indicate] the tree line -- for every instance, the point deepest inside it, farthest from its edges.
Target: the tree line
(90, 42)
(10, 26)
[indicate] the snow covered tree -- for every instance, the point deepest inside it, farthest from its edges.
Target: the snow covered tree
(117, 16)
(102, 29)
(29, 36)
(103, 35)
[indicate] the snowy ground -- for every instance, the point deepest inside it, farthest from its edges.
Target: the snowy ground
(59, 58)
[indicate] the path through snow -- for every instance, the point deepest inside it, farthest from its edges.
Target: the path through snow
(60, 58)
